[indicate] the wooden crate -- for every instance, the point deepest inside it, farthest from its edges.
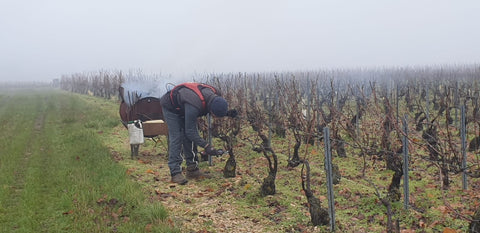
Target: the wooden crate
(154, 128)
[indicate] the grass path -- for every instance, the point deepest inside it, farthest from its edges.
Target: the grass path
(58, 175)
(20, 154)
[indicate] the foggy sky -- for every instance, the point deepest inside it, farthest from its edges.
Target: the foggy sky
(44, 39)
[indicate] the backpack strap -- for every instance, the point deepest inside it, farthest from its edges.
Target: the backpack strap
(195, 87)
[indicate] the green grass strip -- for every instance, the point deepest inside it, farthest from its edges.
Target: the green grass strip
(58, 175)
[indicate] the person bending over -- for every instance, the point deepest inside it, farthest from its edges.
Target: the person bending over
(181, 107)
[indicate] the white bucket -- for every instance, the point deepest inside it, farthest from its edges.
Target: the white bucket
(135, 131)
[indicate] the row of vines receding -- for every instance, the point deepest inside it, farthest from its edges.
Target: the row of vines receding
(363, 109)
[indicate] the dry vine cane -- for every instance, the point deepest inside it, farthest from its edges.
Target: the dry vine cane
(258, 122)
(386, 202)
(336, 107)
(227, 131)
(393, 159)
(296, 123)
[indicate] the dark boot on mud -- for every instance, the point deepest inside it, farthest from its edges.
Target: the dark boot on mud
(179, 179)
(193, 172)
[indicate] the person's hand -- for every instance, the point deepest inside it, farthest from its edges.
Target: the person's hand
(232, 113)
(210, 150)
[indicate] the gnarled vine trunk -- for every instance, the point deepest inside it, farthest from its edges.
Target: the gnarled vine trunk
(230, 169)
(318, 214)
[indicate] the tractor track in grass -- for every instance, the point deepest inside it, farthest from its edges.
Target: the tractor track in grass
(19, 173)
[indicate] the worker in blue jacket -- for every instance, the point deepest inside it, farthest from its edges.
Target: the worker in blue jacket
(181, 107)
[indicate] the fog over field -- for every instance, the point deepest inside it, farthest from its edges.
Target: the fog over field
(43, 40)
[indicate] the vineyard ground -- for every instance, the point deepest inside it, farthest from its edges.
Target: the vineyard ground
(234, 204)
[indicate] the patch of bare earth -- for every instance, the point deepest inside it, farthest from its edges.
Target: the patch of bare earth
(217, 204)
(198, 206)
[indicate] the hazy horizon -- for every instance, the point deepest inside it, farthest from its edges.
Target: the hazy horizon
(42, 40)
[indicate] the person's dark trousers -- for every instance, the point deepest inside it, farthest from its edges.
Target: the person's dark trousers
(178, 141)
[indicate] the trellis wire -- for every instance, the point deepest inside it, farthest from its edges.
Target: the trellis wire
(406, 190)
(328, 170)
(391, 151)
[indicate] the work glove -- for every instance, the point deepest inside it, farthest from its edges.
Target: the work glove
(232, 113)
(210, 150)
